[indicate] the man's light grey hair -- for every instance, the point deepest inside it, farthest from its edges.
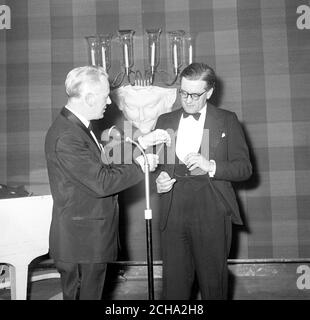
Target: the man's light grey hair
(77, 77)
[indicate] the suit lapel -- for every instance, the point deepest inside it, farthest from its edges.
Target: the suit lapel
(214, 126)
(71, 117)
(174, 125)
(174, 122)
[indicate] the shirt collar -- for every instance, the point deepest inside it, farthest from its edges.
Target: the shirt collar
(80, 117)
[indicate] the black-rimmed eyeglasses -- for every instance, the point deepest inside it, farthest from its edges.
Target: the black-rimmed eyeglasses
(194, 96)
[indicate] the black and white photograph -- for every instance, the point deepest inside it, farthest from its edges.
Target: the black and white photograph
(156, 151)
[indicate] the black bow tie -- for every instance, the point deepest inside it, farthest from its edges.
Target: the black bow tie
(195, 115)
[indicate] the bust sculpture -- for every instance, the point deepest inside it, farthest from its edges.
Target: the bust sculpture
(142, 105)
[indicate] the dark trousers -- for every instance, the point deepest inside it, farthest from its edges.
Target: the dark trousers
(196, 241)
(81, 281)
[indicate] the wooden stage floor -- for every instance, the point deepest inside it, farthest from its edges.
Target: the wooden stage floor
(280, 279)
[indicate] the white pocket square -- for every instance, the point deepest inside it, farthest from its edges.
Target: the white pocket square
(223, 134)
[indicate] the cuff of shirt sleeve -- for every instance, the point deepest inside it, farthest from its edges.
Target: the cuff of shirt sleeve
(212, 173)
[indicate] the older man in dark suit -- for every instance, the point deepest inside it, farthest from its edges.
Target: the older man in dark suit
(84, 228)
(197, 200)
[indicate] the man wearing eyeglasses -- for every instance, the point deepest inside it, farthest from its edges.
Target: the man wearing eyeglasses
(197, 201)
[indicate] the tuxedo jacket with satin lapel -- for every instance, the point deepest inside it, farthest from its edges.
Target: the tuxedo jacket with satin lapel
(227, 147)
(84, 226)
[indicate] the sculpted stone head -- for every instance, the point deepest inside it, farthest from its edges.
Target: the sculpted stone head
(142, 105)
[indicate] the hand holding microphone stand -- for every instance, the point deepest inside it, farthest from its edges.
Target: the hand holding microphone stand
(148, 220)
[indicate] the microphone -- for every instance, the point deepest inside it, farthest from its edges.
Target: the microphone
(127, 139)
(115, 133)
(146, 161)
(118, 135)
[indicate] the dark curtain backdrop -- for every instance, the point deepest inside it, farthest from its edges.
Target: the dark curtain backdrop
(260, 57)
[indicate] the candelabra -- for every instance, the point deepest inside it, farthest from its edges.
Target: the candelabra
(99, 50)
(180, 53)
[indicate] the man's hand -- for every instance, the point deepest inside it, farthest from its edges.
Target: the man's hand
(164, 183)
(196, 160)
(153, 161)
(155, 137)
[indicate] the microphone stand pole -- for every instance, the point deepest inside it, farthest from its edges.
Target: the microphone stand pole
(148, 221)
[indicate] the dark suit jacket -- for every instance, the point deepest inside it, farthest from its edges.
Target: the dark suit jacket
(227, 147)
(84, 226)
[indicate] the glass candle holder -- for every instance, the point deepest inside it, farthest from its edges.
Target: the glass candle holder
(188, 50)
(105, 50)
(93, 50)
(176, 45)
(126, 43)
(153, 44)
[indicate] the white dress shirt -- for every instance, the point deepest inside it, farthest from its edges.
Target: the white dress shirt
(190, 132)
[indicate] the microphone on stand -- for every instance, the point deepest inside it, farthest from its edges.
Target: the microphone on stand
(148, 220)
(127, 139)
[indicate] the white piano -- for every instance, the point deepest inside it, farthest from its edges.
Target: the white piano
(24, 231)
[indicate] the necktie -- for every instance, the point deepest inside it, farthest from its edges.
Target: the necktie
(195, 115)
(90, 127)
